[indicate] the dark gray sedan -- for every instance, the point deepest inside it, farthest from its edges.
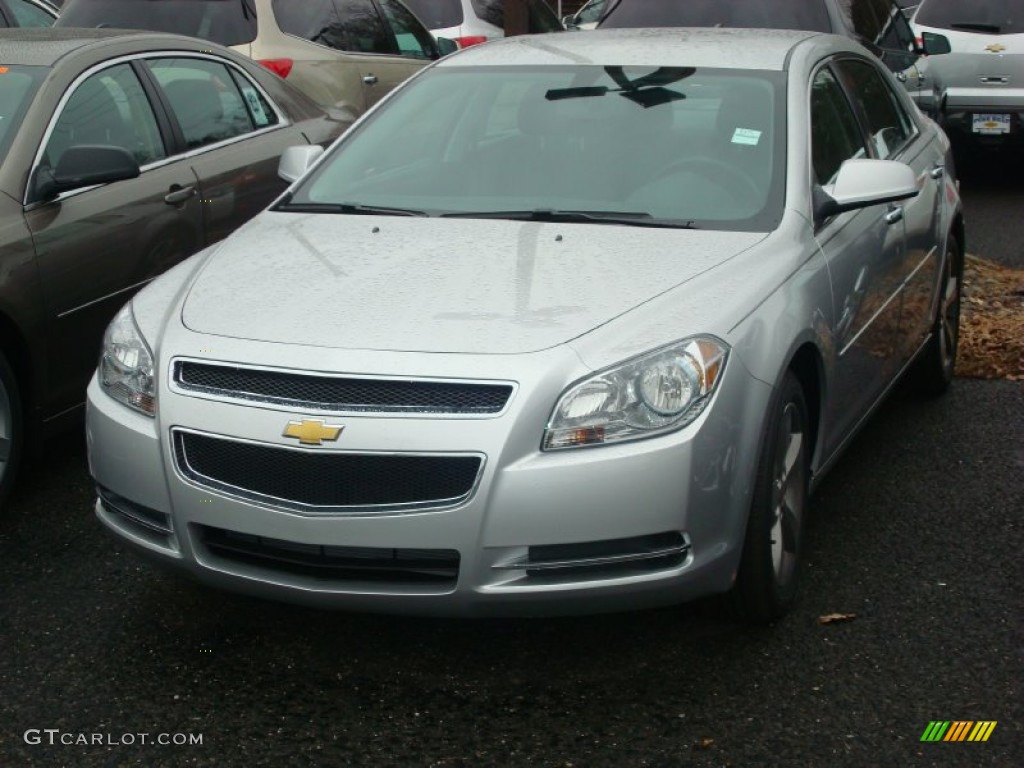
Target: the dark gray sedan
(121, 153)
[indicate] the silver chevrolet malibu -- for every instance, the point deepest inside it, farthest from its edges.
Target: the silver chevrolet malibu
(562, 325)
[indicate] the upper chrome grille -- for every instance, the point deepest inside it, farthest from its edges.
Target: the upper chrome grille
(322, 392)
(325, 481)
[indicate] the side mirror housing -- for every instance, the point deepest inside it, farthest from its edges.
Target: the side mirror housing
(935, 44)
(862, 183)
(295, 161)
(85, 165)
(446, 46)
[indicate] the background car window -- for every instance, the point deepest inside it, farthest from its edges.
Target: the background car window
(437, 14)
(887, 123)
(110, 108)
(228, 22)
(28, 15)
(261, 112)
(868, 18)
(205, 100)
(412, 39)
(346, 25)
(17, 85)
(781, 14)
(540, 17)
(998, 17)
(835, 133)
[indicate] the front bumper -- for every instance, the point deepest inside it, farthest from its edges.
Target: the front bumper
(648, 523)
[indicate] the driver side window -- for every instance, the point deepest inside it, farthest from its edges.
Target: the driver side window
(108, 108)
(835, 134)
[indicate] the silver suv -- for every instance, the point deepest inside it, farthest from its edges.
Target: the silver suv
(342, 53)
(977, 89)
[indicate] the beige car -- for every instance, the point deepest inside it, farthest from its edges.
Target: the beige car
(342, 53)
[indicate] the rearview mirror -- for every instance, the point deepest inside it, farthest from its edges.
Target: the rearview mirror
(84, 165)
(295, 161)
(863, 183)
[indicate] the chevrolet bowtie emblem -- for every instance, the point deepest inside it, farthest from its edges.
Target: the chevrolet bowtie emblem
(995, 48)
(312, 431)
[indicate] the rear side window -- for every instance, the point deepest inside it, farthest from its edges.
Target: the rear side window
(228, 22)
(996, 17)
(782, 14)
(207, 102)
(413, 40)
(345, 25)
(437, 14)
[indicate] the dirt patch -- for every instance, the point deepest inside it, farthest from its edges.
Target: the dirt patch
(991, 322)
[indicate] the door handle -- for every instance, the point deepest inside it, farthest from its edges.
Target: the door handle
(370, 79)
(894, 215)
(179, 194)
(937, 171)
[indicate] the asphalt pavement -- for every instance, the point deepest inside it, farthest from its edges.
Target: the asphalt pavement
(916, 535)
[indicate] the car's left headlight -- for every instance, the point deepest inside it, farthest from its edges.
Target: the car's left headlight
(649, 395)
(126, 364)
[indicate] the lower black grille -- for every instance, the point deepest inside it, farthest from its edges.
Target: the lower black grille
(324, 480)
(343, 393)
(351, 564)
(144, 518)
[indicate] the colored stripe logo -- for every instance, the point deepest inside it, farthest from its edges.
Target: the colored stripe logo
(958, 730)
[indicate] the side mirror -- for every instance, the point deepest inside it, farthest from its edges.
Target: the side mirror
(295, 161)
(446, 46)
(569, 22)
(85, 165)
(935, 44)
(863, 183)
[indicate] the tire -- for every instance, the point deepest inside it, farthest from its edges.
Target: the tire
(11, 429)
(766, 585)
(932, 372)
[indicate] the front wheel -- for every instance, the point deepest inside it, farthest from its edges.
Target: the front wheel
(766, 584)
(932, 372)
(10, 429)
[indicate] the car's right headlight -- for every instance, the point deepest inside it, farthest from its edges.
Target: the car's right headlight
(126, 364)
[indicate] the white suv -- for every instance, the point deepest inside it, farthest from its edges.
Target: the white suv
(977, 89)
(469, 22)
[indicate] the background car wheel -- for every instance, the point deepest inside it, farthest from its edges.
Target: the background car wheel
(10, 429)
(767, 580)
(933, 371)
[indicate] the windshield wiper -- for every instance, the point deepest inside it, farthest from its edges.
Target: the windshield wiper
(351, 208)
(977, 26)
(629, 218)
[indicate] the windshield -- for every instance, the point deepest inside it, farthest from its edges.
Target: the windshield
(228, 22)
(17, 86)
(665, 146)
(437, 14)
(996, 17)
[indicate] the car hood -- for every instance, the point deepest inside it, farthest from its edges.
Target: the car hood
(439, 285)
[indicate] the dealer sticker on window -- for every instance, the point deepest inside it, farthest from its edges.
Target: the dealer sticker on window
(991, 124)
(746, 136)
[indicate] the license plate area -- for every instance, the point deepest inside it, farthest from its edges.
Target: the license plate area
(988, 124)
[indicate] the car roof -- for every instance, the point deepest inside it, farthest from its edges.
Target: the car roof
(47, 46)
(695, 47)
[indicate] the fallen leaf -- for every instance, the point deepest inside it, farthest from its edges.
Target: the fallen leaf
(832, 618)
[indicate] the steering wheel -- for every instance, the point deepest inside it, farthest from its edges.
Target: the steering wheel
(728, 177)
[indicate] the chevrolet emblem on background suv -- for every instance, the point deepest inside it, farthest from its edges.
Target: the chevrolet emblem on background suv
(312, 431)
(995, 48)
